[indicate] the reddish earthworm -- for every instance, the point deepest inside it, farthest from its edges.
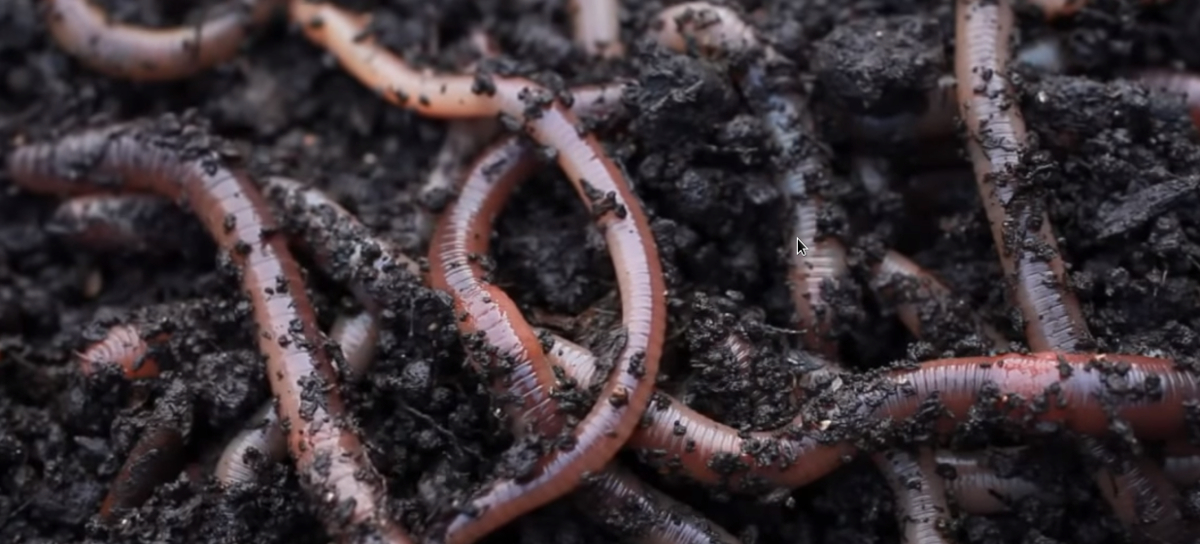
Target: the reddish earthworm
(1140, 496)
(996, 139)
(920, 494)
(657, 518)
(1182, 465)
(132, 52)
(117, 222)
(125, 348)
(491, 317)
(708, 29)
(911, 289)
(597, 27)
(262, 440)
(604, 190)
(1186, 84)
(179, 160)
(156, 457)
(979, 488)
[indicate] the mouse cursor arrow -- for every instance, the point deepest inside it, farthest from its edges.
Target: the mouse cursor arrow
(801, 249)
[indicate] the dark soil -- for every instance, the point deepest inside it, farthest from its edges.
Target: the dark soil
(1118, 165)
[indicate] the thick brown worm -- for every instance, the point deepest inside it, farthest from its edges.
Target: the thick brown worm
(977, 487)
(921, 300)
(124, 348)
(602, 186)
(262, 440)
(180, 160)
(137, 53)
(156, 457)
(134, 223)
(1141, 496)
(996, 139)
(921, 509)
(616, 497)
(1183, 83)
(596, 27)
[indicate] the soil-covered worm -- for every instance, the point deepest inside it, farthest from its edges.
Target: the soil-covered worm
(132, 346)
(977, 486)
(920, 494)
(997, 140)
(156, 457)
(179, 159)
(1183, 83)
(911, 290)
(801, 163)
(126, 51)
(1141, 495)
(262, 440)
(614, 207)
(129, 223)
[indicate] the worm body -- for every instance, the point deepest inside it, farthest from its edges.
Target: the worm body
(920, 495)
(658, 518)
(1183, 83)
(131, 52)
(996, 138)
(977, 487)
(908, 287)
(137, 223)
(606, 193)
(597, 27)
(156, 457)
(177, 160)
(125, 348)
(1141, 496)
(262, 440)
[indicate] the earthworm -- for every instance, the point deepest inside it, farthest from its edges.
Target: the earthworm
(126, 51)
(920, 494)
(262, 440)
(601, 185)
(912, 289)
(979, 488)
(997, 139)
(801, 162)
(506, 340)
(181, 161)
(1182, 465)
(1140, 495)
(1184, 83)
(657, 518)
(125, 348)
(597, 27)
(117, 222)
(156, 457)
(937, 120)
(1060, 8)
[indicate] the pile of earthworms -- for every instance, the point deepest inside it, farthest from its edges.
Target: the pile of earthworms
(118, 175)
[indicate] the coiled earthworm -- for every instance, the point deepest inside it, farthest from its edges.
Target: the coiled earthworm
(491, 320)
(911, 290)
(137, 223)
(85, 32)
(617, 497)
(1184, 83)
(125, 348)
(262, 440)
(976, 486)
(921, 508)
(596, 27)
(156, 457)
(605, 191)
(708, 29)
(996, 139)
(178, 159)
(1140, 496)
